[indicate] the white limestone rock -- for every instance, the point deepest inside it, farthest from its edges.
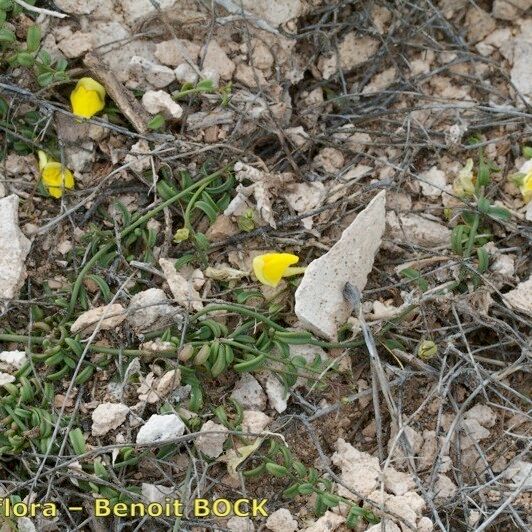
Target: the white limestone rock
(107, 417)
(240, 524)
(147, 74)
(320, 305)
(254, 421)
(510, 9)
(360, 471)
(156, 493)
(277, 395)
(520, 298)
(275, 12)
(14, 248)
(134, 10)
(328, 522)
(417, 230)
(444, 488)
(15, 359)
(182, 289)
(432, 182)
(521, 74)
(149, 307)
(249, 393)
(217, 60)
(111, 316)
(211, 445)
(161, 102)
(175, 51)
(281, 521)
(160, 428)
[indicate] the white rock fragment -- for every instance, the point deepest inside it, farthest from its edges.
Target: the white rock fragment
(249, 393)
(408, 506)
(254, 421)
(520, 474)
(281, 521)
(277, 395)
(304, 197)
(326, 523)
(15, 359)
(520, 298)
(14, 248)
(397, 482)
(483, 414)
(275, 11)
(217, 60)
(320, 305)
(25, 524)
(108, 416)
(473, 433)
(240, 524)
(175, 51)
(329, 160)
(353, 51)
(433, 182)
(6, 378)
(105, 318)
(182, 289)
(384, 526)
(211, 445)
(134, 10)
(139, 157)
(156, 102)
(146, 74)
(504, 265)
(76, 44)
(444, 488)
(510, 9)
(156, 493)
(521, 74)
(360, 471)
(149, 307)
(160, 428)
(186, 74)
(415, 229)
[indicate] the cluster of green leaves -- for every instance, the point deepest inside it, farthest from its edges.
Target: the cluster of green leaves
(22, 131)
(250, 347)
(208, 201)
(280, 462)
(473, 232)
(27, 54)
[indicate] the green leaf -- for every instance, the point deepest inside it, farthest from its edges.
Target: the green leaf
(527, 152)
(45, 57)
(61, 64)
(33, 38)
(499, 212)
(6, 35)
(206, 85)
(45, 79)
(77, 440)
(305, 489)
(483, 260)
(457, 238)
(157, 122)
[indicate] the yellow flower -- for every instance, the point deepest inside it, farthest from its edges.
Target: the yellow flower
(54, 176)
(464, 184)
(88, 98)
(526, 187)
(270, 268)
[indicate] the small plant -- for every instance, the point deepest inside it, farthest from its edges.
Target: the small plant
(28, 54)
(280, 462)
(472, 234)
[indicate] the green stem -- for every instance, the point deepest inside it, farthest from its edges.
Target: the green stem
(126, 231)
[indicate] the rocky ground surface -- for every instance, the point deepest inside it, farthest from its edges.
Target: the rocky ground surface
(387, 145)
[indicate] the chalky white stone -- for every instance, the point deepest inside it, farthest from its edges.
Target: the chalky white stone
(320, 305)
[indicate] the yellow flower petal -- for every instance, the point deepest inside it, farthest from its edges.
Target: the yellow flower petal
(464, 184)
(270, 268)
(88, 98)
(526, 187)
(54, 176)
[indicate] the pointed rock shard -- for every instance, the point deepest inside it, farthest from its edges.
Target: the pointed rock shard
(14, 248)
(320, 304)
